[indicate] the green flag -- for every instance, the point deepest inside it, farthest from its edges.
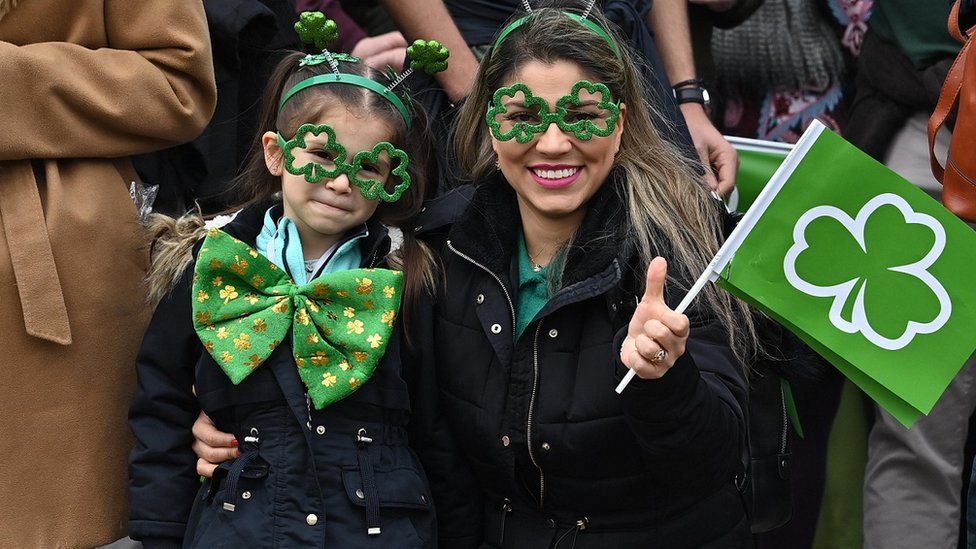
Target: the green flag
(866, 268)
(758, 161)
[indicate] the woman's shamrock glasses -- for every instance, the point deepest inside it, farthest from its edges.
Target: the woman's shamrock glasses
(316, 154)
(588, 110)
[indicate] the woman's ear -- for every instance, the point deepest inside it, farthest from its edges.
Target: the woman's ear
(272, 152)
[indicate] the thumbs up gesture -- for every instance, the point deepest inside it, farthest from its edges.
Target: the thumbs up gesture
(656, 335)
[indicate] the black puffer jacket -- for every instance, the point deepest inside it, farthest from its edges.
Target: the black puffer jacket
(526, 443)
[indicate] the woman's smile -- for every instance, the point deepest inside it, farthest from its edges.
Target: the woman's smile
(555, 176)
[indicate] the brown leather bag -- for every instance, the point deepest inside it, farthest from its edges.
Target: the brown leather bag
(958, 178)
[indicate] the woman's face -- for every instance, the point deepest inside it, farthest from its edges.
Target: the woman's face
(555, 173)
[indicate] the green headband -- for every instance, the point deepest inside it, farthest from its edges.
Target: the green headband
(352, 80)
(581, 20)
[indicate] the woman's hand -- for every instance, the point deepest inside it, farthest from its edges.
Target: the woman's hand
(380, 51)
(211, 446)
(657, 335)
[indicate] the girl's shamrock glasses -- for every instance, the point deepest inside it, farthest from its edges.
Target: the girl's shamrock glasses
(588, 110)
(316, 154)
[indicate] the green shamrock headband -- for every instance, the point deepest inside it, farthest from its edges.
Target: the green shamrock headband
(314, 28)
(525, 131)
(581, 19)
(315, 172)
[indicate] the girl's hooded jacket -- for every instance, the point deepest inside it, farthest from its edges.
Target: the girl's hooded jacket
(306, 477)
(526, 443)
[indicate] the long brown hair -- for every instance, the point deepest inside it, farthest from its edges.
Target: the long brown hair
(256, 185)
(668, 207)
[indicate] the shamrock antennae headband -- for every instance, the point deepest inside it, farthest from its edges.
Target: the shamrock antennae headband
(313, 28)
(579, 19)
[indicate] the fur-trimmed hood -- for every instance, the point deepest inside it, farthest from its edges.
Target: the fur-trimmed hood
(172, 250)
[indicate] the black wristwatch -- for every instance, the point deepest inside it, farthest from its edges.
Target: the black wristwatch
(691, 91)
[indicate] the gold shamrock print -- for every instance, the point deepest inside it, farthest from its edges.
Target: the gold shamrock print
(332, 316)
(300, 362)
(243, 342)
(228, 293)
(329, 379)
(313, 307)
(345, 366)
(260, 325)
(254, 361)
(365, 286)
(226, 356)
(302, 317)
(353, 382)
(374, 340)
(388, 291)
(215, 264)
(320, 290)
(251, 298)
(217, 281)
(239, 266)
(354, 327)
(257, 280)
(349, 312)
(387, 317)
(360, 356)
(311, 339)
(222, 333)
(368, 304)
(281, 307)
(202, 296)
(342, 293)
(203, 317)
(320, 358)
(209, 346)
(252, 252)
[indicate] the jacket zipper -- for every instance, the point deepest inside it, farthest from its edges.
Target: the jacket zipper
(511, 306)
(786, 421)
(535, 370)
(528, 422)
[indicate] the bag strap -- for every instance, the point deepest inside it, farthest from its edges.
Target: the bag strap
(950, 89)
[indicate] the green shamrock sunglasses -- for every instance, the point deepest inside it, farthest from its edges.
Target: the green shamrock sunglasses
(523, 120)
(331, 162)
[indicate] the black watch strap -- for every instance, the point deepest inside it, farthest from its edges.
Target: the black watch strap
(691, 95)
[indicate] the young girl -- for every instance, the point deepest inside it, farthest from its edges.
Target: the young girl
(281, 328)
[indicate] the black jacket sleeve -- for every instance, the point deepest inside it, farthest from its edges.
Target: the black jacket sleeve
(690, 423)
(458, 497)
(162, 466)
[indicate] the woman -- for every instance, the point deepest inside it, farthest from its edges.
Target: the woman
(515, 358)
(515, 416)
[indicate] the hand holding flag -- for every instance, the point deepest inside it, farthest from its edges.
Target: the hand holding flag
(656, 335)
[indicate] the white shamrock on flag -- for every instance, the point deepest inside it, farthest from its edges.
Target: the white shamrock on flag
(851, 275)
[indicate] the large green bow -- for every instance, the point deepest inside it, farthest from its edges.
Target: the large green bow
(244, 305)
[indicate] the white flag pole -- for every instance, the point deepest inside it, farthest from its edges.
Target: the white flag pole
(748, 221)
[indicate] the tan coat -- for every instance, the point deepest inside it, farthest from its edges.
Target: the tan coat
(83, 84)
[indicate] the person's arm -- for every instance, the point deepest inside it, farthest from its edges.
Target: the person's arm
(668, 20)
(430, 20)
(150, 88)
(686, 407)
(162, 466)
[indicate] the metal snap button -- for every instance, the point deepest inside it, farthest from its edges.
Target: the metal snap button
(423, 499)
(246, 495)
(360, 494)
(480, 299)
(545, 446)
(320, 430)
(553, 332)
(496, 328)
(506, 441)
(311, 519)
(551, 523)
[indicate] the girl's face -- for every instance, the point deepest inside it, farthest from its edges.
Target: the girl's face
(554, 174)
(324, 211)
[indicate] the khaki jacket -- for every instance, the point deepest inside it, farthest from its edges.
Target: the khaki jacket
(83, 85)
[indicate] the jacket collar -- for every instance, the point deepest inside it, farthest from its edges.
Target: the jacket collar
(488, 230)
(247, 224)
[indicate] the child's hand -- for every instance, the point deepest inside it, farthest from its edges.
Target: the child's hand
(211, 446)
(657, 335)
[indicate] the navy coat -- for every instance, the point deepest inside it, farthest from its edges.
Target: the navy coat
(306, 478)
